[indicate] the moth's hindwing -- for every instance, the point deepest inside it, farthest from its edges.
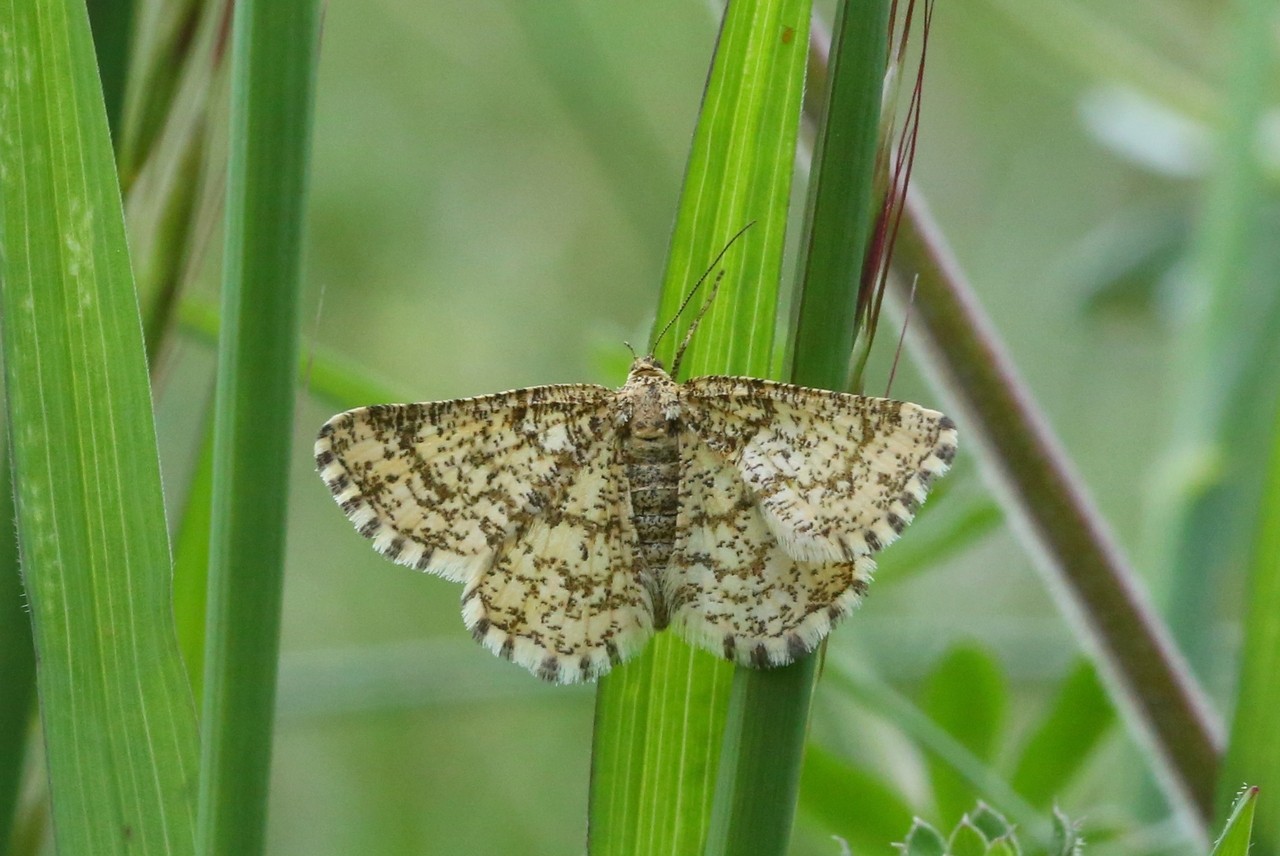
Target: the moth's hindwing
(837, 476)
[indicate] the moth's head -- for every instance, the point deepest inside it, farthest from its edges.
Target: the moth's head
(647, 368)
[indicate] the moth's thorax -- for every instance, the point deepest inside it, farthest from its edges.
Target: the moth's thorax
(649, 402)
(649, 413)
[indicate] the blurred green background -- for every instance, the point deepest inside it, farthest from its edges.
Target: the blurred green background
(493, 183)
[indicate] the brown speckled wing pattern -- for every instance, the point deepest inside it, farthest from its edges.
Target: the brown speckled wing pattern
(785, 493)
(779, 499)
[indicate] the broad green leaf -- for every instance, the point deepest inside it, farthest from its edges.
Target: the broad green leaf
(1078, 718)
(768, 713)
(881, 699)
(119, 726)
(851, 802)
(966, 696)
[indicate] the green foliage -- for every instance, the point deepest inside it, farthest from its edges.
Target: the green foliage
(965, 695)
(1056, 751)
(118, 724)
(387, 728)
(660, 720)
(985, 832)
(273, 67)
(1237, 834)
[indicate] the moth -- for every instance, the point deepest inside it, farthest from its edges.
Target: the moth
(743, 514)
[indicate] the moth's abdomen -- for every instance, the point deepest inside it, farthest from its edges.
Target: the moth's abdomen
(653, 475)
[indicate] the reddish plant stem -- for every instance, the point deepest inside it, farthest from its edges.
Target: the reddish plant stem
(1092, 581)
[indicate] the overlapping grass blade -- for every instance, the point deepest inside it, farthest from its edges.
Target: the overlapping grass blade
(764, 740)
(659, 720)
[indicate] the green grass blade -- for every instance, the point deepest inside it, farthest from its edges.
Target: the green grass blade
(966, 696)
(1253, 754)
(17, 664)
(768, 715)
(1228, 370)
(1237, 833)
(660, 719)
(273, 61)
(176, 193)
(119, 727)
(191, 544)
(162, 40)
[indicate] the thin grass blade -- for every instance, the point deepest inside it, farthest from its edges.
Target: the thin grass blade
(1254, 752)
(273, 66)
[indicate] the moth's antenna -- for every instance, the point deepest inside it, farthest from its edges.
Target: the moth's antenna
(688, 336)
(906, 321)
(696, 286)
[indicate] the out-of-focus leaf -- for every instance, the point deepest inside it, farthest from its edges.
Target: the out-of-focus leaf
(850, 802)
(990, 822)
(966, 696)
(1078, 718)
(967, 840)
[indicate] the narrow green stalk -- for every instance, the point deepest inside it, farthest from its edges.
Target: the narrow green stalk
(1093, 584)
(660, 719)
(118, 725)
(273, 64)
